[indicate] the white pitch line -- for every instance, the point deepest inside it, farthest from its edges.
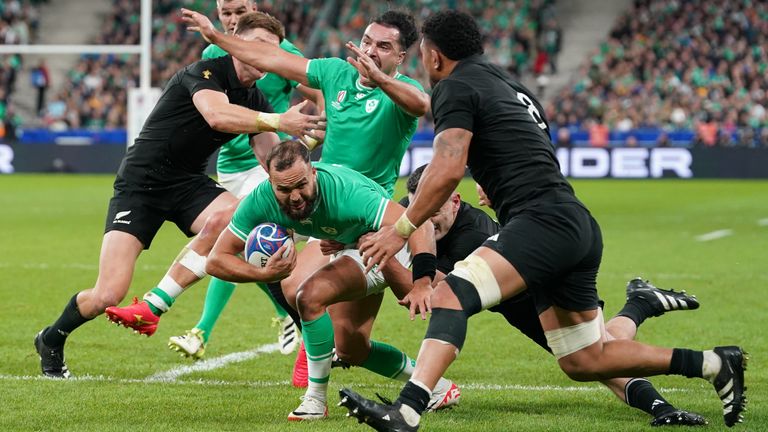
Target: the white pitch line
(213, 363)
(762, 222)
(714, 235)
(264, 384)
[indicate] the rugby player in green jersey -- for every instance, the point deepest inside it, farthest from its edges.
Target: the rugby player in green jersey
(338, 204)
(372, 112)
(239, 171)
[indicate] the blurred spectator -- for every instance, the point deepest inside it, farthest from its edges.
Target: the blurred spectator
(564, 137)
(663, 140)
(598, 133)
(630, 141)
(667, 63)
(41, 80)
(707, 131)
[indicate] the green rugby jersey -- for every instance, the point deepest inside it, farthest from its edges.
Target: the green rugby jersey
(348, 205)
(367, 131)
(237, 155)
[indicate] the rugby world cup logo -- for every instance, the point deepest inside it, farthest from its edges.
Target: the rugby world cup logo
(339, 99)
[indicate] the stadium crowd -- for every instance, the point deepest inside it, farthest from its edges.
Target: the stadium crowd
(95, 93)
(700, 65)
(19, 21)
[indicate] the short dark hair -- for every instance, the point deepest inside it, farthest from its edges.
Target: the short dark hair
(254, 20)
(403, 22)
(414, 178)
(285, 154)
(455, 34)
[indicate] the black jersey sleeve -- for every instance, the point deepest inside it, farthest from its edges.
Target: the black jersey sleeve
(454, 105)
(202, 76)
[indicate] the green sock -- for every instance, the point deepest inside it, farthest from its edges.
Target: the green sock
(279, 311)
(389, 361)
(157, 295)
(318, 341)
(216, 299)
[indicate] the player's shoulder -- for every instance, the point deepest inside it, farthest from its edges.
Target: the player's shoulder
(213, 51)
(288, 46)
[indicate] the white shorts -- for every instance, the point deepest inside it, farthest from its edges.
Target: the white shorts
(242, 183)
(374, 279)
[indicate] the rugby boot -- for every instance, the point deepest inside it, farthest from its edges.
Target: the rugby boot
(287, 335)
(137, 316)
(382, 417)
(191, 344)
(729, 383)
(448, 397)
(51, 358)
(310, 409)
(300, 378)
(660, 300)
(679, 418)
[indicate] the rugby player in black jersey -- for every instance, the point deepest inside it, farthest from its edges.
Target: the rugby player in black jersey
(162, 178)
(461, 228)
(548, 244)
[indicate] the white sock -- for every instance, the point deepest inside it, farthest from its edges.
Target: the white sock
(408, 368)
(319, 370)
(711, 365)
(410, 415)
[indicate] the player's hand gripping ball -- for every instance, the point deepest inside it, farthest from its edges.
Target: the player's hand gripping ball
(263, 241)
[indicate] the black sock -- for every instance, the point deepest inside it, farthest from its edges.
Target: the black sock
(686, 362)
(642, 395)
(277, 293)
(637, 310)
(415, 397)
(68, 321)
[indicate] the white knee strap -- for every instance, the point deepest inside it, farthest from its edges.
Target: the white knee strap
(475, 270)
(568, 340)
(193, 262)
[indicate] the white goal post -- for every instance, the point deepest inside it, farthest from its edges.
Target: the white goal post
(145, 96)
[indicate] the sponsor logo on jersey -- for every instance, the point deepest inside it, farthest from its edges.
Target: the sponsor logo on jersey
(359, 96)
(371, 105)
(207, 74)
(120, 215)
(306, 221)
(329, 230)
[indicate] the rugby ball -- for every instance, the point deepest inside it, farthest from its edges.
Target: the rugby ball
(263, 241)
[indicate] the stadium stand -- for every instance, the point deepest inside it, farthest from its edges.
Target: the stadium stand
(19, 21)
(670, 66)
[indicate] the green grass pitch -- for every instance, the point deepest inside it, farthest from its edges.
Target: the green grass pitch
(50, 235)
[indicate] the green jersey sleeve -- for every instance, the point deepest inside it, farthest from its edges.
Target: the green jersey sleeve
(257, 207)
(322, 70)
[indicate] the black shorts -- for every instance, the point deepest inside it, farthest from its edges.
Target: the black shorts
(142, 212)
(557, 249)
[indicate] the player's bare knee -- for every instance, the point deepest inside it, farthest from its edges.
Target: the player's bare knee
(216, 223)
(104, 298)
(579, 367)
(309, 300)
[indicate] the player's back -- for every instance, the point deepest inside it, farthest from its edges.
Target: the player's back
(511, 155)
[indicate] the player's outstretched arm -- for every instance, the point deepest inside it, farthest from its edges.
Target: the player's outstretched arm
(262, 55)
(411, 99)
(223, 116)
(439, 180)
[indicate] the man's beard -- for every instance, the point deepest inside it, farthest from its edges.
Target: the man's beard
(309, 204)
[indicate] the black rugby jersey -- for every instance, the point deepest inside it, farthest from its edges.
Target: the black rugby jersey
(511, 155)
(176, 141)
(470, 229)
